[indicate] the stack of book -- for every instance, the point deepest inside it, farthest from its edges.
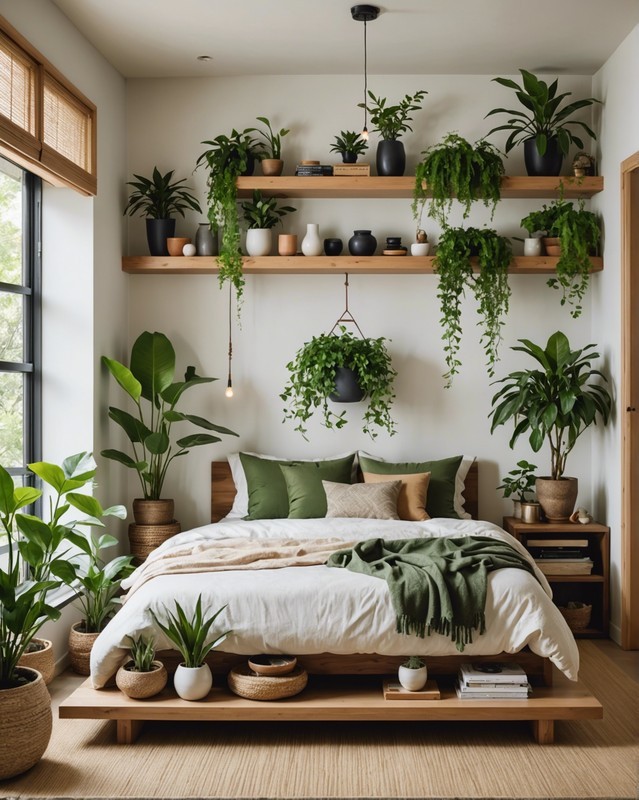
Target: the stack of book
(313, 169)
(561, 556)
(492, 680)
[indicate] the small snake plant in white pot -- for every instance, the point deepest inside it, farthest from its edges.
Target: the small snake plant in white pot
(413, 674)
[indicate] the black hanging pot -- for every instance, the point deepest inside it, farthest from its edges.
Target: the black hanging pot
(548, 164)
(391, 158)
(347, 388)
(157, 232)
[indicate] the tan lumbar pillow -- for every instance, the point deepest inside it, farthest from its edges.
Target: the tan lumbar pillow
(411, 503)
(362, 500)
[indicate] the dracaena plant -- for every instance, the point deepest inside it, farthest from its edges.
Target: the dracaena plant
(349, 142)
(158, 197)
(391, 121)
(190, 634)
(149, 382)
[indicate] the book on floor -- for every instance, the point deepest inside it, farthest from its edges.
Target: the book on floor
(521, 694)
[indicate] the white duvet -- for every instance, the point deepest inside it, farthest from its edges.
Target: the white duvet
(317, 609)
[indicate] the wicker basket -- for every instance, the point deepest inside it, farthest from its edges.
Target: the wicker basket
(42, 660)
(153, 512)
(244, 682)
(145, 538)
(140, 685)
(577, 618)
(80, 645)
(25, 726)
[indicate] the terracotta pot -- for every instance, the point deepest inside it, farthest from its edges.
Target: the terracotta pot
(287, 244)
(80, 646)
(41, 659)
(175, 244)
(552, 245)
(153, 512)
(25, 724)
(140, 685)
(557, 498)
(272, 166)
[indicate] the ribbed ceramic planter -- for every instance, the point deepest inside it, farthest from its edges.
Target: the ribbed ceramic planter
(42, 659)
(80, 646)
(557, 498)
(153, 512)
(192, 683)
(140, 685)
(25, 725)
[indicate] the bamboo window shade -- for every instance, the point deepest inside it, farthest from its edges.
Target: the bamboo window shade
(46, 124)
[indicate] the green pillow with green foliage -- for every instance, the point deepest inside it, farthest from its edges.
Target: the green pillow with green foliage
(306, 495)
(267, 492)
(440, 501)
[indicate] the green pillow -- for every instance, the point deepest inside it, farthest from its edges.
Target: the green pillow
(440, 501)
(267, 494)
(306, 495)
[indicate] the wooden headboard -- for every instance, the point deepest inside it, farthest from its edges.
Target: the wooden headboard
(223, 490)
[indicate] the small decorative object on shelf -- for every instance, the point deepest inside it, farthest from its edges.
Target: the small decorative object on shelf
(311, 243)
(421, 245)
(581, 515)
(205, 241)
(272, 665)
(175, 245)
(362, 243)
(532, 246)
(333, 247)
(394, 247)
(583, 164)
(413, 674)
(189, 250)
(530, 511)
(287, 244)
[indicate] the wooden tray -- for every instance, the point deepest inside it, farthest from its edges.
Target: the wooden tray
(395, 691)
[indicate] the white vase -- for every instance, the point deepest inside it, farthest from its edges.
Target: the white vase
(258, 242)
(532, 247)
(412, 679)
(192, 683)
(420, 248)
(311, 243)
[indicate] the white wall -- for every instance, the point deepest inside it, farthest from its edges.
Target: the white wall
(168, 120)
(614, 84)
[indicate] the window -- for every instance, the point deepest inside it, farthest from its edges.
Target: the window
(20, 320)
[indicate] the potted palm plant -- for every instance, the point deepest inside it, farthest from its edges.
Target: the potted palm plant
(157, 198)
(391, 121)
(150, 383)
(271, 157)
(142, 676)
(341, 368)
(350, 145)
(555, 402)
(192, 679)
(544, 125)
(262, 214)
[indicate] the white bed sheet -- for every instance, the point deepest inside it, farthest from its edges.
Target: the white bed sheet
(308, 610)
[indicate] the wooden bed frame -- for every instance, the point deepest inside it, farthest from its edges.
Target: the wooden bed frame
(333, 692)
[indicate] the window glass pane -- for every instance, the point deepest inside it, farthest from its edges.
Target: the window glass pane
(10, 223)
(12, 419)
(11, 327)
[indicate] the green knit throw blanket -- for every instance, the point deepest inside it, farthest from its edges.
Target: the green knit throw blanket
(436, 584)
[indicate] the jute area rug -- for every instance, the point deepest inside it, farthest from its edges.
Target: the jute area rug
(591, 759)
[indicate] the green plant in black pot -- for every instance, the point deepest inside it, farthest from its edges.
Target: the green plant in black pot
(350, 145)
(157, 198)
(227, 158)
(312, 380)
(271, 144)
(391, 121)
(490, 288)
(456, 168)
(544, 125)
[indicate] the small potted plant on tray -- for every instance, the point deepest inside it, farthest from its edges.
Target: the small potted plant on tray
(262, 214)
(142, 676)
(413, 674)
(518, 483)
(350, 145)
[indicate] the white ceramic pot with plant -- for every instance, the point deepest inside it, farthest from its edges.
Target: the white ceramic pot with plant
(413, 674)
(259, 242)
(192, 679)
(262, 214)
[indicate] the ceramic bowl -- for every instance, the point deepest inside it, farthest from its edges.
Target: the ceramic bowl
(272, 665)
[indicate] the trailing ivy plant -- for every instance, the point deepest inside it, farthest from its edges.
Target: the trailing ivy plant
(456, 168)
(312, 380)
(490, 288)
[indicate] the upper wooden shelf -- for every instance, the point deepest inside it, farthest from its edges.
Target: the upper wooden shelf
(324, 265)
(325, 186)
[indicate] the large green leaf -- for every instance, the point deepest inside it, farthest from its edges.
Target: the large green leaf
(25, 495)
(86, 504)
(178, 416)
(124, 377)
(153, 363)
(157, 443)
(7, 503)
(558, 349)
(124, 458)
(197, 439)
(80, 467)
(133, 427)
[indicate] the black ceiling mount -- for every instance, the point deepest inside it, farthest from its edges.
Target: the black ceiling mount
(364, 13)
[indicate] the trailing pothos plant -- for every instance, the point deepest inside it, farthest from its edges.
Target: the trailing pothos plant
(456, 168)
(579, 234)
(489, 286)
(312, 380)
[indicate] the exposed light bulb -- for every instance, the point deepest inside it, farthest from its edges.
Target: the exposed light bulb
(228, 392)
(364, 134)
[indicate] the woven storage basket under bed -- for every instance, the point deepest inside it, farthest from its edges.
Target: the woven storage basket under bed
(577, 618)
(243, 681)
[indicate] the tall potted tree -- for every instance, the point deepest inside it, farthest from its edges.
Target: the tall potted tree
(555, 402)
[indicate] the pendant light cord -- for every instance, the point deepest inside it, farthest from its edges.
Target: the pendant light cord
(229, 385)
(365, 78)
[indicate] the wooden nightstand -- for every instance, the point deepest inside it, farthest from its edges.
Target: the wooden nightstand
(593, 588)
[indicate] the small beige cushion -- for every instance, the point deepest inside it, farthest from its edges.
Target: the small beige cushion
(411, 503)
(365, 500)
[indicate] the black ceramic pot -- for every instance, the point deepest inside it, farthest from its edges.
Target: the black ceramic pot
(391, 158)
(362, 243)
(348, 157)
(333, 247)
(548, 164)
(347, 389)
(157, 232)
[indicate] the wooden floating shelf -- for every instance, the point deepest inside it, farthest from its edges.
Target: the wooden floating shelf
(325, 265)
(516, 186)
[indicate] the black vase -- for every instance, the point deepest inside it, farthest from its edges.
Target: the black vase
(348, 157)
(157, 232)
(391, 158)
(347, 388)
(362, 243)
(548, 164)
(333, 247)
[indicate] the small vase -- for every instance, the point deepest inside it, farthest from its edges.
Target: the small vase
(205, 242)
(259, 242)
(420, 248)
(175, 245)
(530, 512)
(272, 166)
(532, 246)
(192, 683)
(412, 679)
(287, 244)
(333, 247)
(362, 243)
(311, 243)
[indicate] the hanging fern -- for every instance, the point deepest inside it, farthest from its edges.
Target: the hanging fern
(456, 168)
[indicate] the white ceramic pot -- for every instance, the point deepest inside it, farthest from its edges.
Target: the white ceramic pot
(420, 248)
(192, 683)
(412, 679)
(312, 245)
(532, 247)
(259, 242)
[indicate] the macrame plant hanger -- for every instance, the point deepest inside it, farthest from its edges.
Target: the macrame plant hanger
(347, 318)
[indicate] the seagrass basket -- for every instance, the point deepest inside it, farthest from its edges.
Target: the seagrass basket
(140, 685)
(80, 645)
(25, 726)
(145, 538)
(577, 618)
(243, 681)
(43, 660)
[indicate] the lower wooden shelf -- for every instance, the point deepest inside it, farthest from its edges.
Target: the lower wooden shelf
(332, 699)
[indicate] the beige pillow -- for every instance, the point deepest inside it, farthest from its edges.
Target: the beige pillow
(365, 500)
(411, 503)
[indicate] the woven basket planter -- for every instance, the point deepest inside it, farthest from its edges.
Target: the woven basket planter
(153, 512)
(244, 682)
(25, 725)
(140, 685)
(145, 538)
(80, 645)
(42, 660)
(577, 618)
